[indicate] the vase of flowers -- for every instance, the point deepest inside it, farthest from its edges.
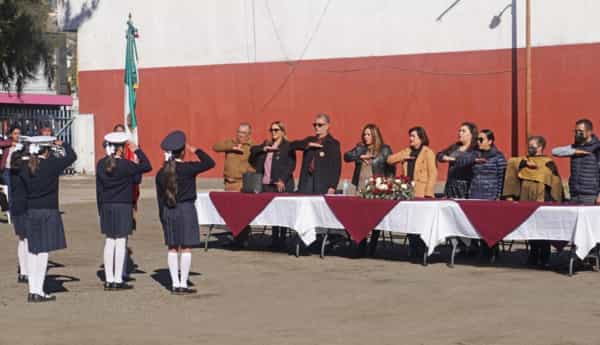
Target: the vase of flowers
(388, 188)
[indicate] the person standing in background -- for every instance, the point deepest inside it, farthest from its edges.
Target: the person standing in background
(237, 155)
(321, 159)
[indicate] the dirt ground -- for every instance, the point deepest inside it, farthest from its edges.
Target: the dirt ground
(261, 297)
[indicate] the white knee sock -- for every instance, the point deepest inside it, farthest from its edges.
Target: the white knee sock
(174, 269)
(186, 263)
(125, 273)
(42, 265)
(119, 259)
(109, 260)
(32, 270)
(22, 256)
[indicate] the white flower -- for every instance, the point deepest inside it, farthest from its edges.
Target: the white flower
(378, 180)
(413, 183)
(398, 181)
(383, 187)
(404, 186)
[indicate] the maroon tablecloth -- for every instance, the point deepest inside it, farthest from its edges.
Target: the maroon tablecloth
(359, 216)
(239, 209)
(493, 220)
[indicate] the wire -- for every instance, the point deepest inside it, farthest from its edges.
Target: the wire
(295, 65)
(277, 35)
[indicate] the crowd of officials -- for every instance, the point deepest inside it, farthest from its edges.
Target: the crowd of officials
(477, 169)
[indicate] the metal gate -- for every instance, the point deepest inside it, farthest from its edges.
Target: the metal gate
(33, 117)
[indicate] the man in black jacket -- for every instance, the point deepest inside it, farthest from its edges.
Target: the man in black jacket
(584, 182)
(321, 161)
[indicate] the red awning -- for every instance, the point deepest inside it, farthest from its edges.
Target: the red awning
(35, 99)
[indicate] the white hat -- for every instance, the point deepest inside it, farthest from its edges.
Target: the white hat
(38, 141)
(117, 137)
(42, 140)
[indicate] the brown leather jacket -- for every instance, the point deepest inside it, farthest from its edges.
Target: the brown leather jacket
(236, 163)
(425, 175)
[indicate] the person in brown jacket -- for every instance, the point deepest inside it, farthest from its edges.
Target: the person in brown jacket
(237, 153)
(418, 163)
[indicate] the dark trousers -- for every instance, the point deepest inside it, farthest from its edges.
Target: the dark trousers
(277, 232)
(539, 252)
(362, 246)
(416, 245)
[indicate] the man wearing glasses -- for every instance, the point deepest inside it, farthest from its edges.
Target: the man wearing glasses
(237, 152)
(321, 161)
(584, 182)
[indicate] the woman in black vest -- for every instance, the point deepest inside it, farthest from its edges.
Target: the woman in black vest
(457, 156)
(43, 223)
(176, 194)
(115, 178)
(276, 161)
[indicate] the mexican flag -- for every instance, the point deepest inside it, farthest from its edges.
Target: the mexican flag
(132, 81)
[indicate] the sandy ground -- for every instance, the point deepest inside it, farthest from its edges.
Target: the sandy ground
(261, 297)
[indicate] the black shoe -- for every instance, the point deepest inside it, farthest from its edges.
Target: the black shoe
(187, 291)
(108, 286)
(122, 286)
(175, 291)
(30, 297)
(21, 278)
(35, 298)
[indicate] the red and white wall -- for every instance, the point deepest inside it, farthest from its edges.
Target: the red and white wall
(207, 65)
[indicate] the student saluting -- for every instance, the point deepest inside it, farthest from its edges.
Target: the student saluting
(115, 178)
(176, 194)
(43, 223)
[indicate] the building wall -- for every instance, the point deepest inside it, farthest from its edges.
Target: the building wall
(207, 65)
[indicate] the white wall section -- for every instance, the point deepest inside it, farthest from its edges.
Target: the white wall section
(206, 32)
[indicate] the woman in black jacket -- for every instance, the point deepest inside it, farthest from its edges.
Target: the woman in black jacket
(275, 160)
(370, 159)
(115, 178)
(457, 155)
(176, 194)
(43, 223)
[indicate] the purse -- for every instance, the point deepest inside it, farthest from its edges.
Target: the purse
(252, 183)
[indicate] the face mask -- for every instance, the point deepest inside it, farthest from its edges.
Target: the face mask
(531, 151)
(579, 138)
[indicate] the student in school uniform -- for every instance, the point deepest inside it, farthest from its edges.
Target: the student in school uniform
(115, 178)
(43, 223)
(18, 208)
(176, 193)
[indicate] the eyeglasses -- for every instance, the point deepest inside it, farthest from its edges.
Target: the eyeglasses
(480, 140)
(319, 125)
(274, 130)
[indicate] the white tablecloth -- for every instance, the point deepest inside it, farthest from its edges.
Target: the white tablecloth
(434, 221)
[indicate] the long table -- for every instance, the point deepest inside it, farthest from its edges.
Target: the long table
(433, 220)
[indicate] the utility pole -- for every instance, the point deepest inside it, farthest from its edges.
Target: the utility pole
(528, 68)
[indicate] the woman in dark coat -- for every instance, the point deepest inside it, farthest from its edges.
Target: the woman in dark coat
(275, 160)
(457, 156)
(370, 159)
(115, 178)
(176, 194)
(43, 223)
(489, 166)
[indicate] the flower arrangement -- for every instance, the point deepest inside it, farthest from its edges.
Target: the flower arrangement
(388, 188)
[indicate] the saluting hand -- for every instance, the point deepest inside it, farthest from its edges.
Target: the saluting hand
(132, 146)
(191, 148)
(58, 142)
(313, 145)
(480, 160)
(581, 153)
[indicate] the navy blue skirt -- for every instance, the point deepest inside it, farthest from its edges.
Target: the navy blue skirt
(44, 231)
(116, 220)
(18, 222)
(180, 225)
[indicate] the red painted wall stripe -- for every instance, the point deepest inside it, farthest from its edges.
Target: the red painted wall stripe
(437, 91)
